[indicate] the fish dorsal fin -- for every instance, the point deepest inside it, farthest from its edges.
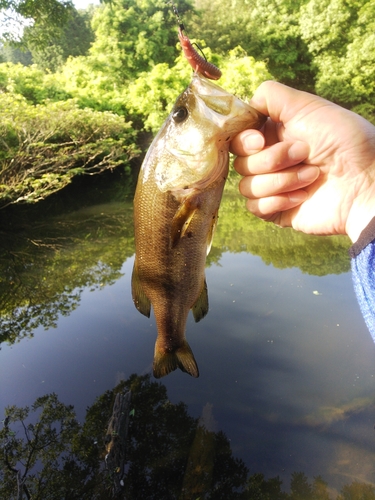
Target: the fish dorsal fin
(182, 218)
(200, 308)
(211, 232)
(141, 302)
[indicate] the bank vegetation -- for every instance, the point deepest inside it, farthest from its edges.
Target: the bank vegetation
(79, 88)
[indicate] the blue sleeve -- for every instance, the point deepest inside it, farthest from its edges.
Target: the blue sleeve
(363, 271)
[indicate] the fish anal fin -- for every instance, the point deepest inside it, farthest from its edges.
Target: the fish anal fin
(141, 301)
(200, 308)
(211, 232)
(182, 219)
(167, 362)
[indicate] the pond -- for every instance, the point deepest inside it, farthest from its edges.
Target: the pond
(287, 373)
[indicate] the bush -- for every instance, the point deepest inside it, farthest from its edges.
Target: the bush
(42, 147)
(31, 82)
(242, 74)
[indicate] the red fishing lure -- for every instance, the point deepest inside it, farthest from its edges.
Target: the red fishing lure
(196, 61)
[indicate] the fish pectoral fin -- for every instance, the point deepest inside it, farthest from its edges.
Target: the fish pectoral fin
(200, 308)
(167, 362)
(141, 302)
(182, 219)
(211, 232)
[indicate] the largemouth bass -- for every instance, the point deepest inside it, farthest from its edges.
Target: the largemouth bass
(176, 205)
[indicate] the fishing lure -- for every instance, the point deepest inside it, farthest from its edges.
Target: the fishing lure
(196, 61)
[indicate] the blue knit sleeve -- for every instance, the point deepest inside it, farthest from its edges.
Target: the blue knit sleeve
(363, 271)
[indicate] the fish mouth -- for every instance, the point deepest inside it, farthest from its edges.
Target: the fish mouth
(227, 111)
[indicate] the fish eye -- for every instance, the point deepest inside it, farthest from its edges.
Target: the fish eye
(180, 114)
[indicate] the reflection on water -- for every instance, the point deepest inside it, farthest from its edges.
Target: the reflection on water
(286, 391)
(168, 454)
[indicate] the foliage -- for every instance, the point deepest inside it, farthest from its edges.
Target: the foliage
(46, 266)
(10, 53)
(47, 454)
(260, 488)
(266, 30)
(160, 437)
(357, 491)
(93, 87)
(162, 85)
(344, 57)
(134, 35)
(43, 146)
(316, 45)
(47, 15)
(44, 444)
(32, 83)
(71, 39)
(242, 74)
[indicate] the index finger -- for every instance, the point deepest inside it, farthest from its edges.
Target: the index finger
(280, 102)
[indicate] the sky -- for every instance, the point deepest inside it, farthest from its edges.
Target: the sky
(82, 4)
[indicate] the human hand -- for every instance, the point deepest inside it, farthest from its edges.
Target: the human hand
(313, 168)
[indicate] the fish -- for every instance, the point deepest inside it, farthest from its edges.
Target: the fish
(176, 204)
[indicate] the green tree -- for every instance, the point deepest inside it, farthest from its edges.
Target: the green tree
(357, 491)
(340, 35)
(260, 488)
(320, 489)
(134, 35)
(36, 86)
(46, 441)
(46, 14)
(325, 25)
(266, 30)
(72, 39)
(300, 488)
(158, 444)
(10, 53)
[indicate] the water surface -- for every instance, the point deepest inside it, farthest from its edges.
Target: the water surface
(287, 371)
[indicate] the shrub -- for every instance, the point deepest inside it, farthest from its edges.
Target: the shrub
(42, 147)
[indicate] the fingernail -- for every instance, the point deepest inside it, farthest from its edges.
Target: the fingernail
(253, 142)
(299, 151)
(308, 173)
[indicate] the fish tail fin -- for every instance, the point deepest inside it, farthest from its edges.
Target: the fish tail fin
(167, 362)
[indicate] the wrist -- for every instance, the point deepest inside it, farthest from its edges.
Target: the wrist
(361, 214)
(366, 237)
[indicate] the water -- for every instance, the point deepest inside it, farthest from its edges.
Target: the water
(286, 363)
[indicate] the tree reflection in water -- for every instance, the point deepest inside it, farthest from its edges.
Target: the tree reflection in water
(47, 454)
(46, 260)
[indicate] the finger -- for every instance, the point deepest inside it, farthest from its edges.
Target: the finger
(271, 159)
(247, 142)
(280, 102)
(284, 181)
(274, 208)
